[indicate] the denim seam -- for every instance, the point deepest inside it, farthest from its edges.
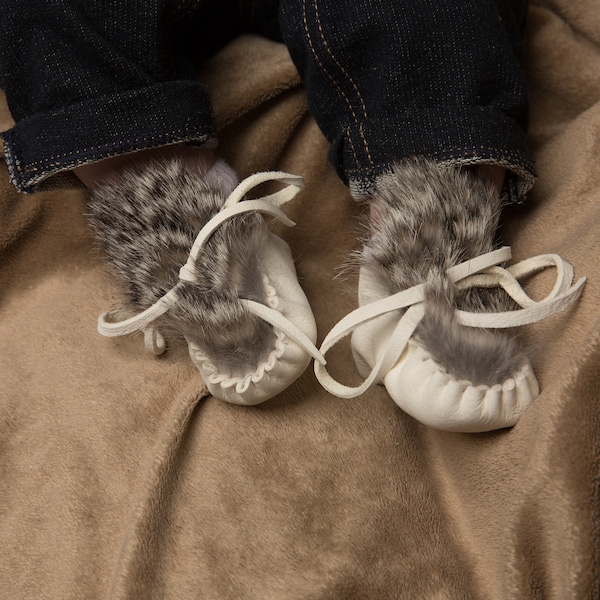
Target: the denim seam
(11, 164)
(35, 166)
(16, 171)
(350, 81)
(334, 82)
(363, 170)
(349, 136)
(361, 129)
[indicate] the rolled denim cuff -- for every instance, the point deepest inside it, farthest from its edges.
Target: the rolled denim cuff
(54, 141)
(460, 135)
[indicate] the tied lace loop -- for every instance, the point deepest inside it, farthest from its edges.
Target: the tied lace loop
(118, 322)
(481, 271)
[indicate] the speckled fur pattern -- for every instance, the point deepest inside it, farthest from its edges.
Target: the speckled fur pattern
(147, 223)
(428, 218)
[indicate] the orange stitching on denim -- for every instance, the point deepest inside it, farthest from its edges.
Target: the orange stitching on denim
(508, 159)
(352, 145)
(321, 65)
(349, 79)
(361, 130)
(325, 71)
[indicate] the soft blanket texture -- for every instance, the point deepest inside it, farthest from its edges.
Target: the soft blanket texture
(122, 478)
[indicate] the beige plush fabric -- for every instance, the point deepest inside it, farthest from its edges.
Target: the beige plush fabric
(120, 478)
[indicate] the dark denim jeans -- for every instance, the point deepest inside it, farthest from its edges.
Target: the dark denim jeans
(385, 79)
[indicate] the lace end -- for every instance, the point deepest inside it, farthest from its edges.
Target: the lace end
(154, 341)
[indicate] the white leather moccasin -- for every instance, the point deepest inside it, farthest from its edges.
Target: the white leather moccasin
(287, 308)
(295, 332)
(385, 352)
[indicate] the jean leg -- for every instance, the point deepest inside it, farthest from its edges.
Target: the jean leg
(89, 80)
(435, 78)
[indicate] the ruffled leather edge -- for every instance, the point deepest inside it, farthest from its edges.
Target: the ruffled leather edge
(241, 383)
(423, 389)
(288, 359)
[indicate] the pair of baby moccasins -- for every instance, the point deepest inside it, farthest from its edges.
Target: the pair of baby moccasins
(385, 348)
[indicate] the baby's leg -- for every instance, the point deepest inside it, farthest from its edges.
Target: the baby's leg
(389, 82)
(125, 113)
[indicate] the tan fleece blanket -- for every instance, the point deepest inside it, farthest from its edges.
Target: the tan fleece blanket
(120, 478)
